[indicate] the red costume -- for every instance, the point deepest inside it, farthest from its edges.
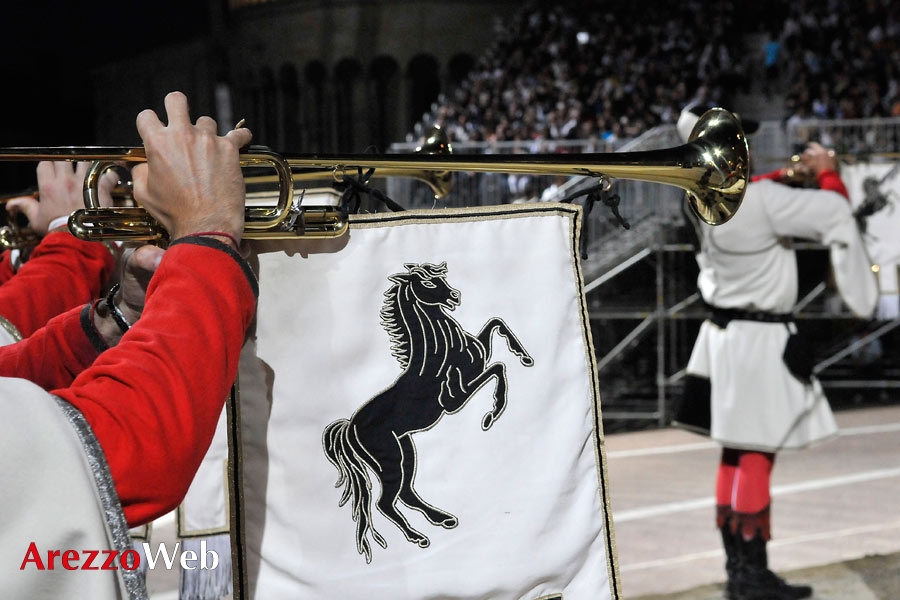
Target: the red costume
(62, 272)
(153, 400)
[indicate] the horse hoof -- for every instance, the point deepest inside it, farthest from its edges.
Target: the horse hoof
(527, 361)
(449, 523)
(487, 421)
(424, 543)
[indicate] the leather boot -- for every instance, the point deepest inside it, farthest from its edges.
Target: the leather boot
(756, 582)
(732, 561)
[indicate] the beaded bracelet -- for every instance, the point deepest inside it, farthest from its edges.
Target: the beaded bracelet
(114, 311)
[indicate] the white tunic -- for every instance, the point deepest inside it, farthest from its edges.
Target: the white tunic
(747, 263)
(57, 496)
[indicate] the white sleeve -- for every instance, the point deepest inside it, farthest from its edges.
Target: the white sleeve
(856, 282)
(827, 217)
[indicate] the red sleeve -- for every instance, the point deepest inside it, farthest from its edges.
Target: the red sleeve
(831, 180)
(154, 400)
(6, 269)
(55, 354)
(63, 272)
(775, 175)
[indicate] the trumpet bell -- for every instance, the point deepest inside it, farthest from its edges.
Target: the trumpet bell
(719, 156)
(440, 181)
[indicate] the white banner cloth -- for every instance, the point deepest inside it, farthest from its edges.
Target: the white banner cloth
(381, 354)
(877, 186)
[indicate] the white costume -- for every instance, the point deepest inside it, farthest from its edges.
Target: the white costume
(57, 495)
(747, 264)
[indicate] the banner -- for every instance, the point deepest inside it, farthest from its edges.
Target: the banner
(420, 413)
(874, 190)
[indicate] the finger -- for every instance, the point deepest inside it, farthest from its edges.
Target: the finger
(61, 169)
(139, 181)
(81, 169)
(46, 170)
(147, 258)
(239, 137)
(147, 122)
(107, 182)
(177, 111)
(208, 124)
(11, 202)
(26, 205)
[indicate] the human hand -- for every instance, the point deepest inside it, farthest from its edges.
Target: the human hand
(60, 192)
(818, 158)
(192, 180)
(139, 266)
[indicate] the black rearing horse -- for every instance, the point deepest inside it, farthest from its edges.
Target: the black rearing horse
(443, 366)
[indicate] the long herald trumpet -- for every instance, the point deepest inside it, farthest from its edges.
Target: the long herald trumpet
(713, 168)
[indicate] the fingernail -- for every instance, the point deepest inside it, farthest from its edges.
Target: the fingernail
(240, 123)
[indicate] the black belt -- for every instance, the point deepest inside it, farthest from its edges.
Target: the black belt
(722, 316)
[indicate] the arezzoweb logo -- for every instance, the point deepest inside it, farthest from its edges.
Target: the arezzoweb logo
(113, 560)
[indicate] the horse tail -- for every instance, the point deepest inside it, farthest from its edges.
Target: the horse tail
(357, 486)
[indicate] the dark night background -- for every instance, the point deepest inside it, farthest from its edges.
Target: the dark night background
(49, 50)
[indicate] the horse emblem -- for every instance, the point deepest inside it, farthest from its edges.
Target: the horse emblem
(443, 366)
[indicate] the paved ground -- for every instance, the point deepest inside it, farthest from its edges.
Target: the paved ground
(835, 513)
(870, 578)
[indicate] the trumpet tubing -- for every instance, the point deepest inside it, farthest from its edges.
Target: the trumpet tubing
(713, 168)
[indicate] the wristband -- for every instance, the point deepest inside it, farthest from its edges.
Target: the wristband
(233, 239)
(114, 311)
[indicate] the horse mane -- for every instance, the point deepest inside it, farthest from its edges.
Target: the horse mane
(398, 333)
(390, 309)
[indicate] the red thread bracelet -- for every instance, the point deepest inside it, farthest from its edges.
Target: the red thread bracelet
(233, 239)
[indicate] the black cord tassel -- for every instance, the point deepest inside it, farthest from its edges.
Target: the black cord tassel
(353, 188)
(599, 192)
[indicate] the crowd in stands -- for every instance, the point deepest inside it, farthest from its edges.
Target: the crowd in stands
(573, 70)
(841, 59)
(611, 71)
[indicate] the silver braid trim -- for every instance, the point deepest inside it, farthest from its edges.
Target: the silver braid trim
(134, 581)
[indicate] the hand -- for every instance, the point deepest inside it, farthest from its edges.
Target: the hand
(818, 158)
(140, 264)
(60, 192)
(192, 180)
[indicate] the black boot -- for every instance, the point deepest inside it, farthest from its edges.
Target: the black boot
(755, 580)
(732, 561)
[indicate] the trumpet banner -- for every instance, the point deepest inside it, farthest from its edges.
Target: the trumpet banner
(420, 413)
(874, 190)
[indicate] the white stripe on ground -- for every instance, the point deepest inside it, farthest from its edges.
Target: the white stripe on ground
(778, 490)
(847, 432)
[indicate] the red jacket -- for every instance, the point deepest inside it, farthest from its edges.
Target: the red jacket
(153, 401)
(62, 272)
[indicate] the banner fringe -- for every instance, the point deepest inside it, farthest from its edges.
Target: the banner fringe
(208, 584)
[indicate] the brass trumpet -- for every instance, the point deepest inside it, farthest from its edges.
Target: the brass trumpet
(713, 168)
(440, 182)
